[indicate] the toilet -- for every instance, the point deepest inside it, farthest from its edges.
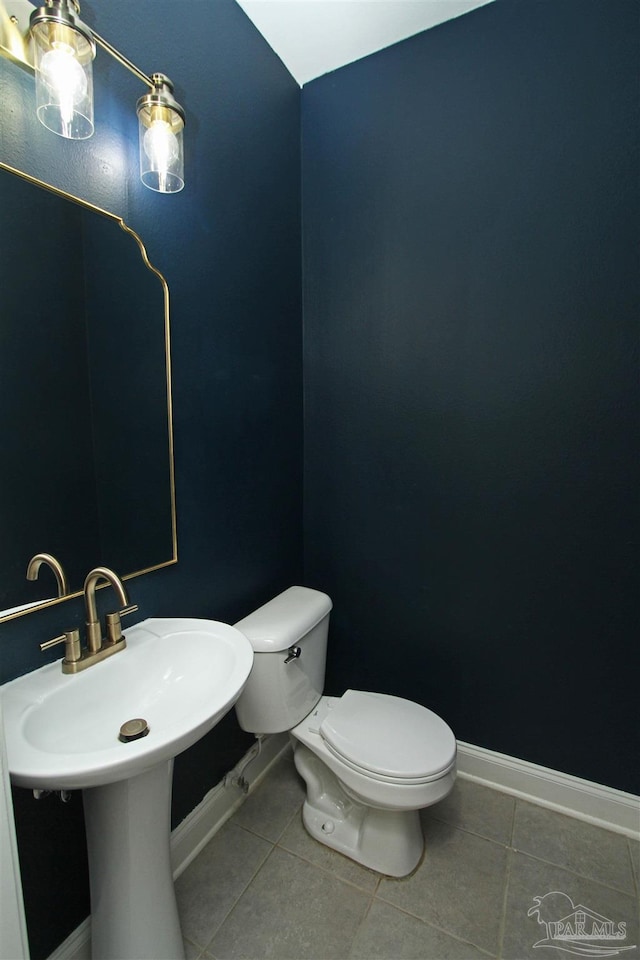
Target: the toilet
(370, 761)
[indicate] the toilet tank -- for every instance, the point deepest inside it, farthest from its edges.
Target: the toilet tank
(279, 694)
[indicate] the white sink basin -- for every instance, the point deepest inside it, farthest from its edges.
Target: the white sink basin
(180, 675)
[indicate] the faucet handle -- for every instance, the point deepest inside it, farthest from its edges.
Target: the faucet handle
(114, 631)
(127, 610)
(71, 640)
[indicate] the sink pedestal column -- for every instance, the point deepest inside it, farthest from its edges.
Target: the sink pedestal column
(133, 906)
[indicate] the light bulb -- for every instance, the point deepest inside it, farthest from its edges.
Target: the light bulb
(65, 78)
(160, 126)
(161, 145)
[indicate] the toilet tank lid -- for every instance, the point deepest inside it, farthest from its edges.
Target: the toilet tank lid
(283, 621)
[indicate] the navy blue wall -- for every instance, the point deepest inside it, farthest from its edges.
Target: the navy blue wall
(33, 433)
(229, 247)
(470, 204)
(470, 201)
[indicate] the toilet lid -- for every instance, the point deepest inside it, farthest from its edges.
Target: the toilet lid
(388, 736)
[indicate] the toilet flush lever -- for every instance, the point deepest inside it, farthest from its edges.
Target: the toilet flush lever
(292, 654)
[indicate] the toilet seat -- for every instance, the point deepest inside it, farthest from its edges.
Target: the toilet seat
(388, 738)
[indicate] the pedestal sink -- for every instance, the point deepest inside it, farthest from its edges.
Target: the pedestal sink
(180, 676)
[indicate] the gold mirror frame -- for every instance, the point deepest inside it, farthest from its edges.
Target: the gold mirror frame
(167, 345)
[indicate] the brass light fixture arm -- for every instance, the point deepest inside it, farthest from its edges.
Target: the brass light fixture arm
(66, 109)
(122, 60)
(24, 59)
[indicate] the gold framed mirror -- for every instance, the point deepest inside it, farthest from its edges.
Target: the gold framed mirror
(85, 396)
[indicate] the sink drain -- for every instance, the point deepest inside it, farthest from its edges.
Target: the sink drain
(133, 730)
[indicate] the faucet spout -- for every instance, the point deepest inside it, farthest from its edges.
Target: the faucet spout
(78, 658)
(47, 558)
(94, 632)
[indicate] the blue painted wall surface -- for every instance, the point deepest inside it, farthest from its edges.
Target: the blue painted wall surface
(229, 247)
(470, 208)
(470, 203)
(32, 434)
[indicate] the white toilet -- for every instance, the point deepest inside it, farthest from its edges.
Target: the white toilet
(370, 761)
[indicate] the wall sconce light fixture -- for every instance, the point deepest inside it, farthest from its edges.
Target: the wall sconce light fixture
(62, 53)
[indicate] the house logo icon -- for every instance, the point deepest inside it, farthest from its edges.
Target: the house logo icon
(577, 929)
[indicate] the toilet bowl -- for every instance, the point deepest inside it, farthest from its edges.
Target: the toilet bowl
(370, 761)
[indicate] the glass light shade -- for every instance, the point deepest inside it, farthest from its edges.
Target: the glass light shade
(160, 130)
(64, 79)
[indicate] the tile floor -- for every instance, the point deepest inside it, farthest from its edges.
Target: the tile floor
(262, 888)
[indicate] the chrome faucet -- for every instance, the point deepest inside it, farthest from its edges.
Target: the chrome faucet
(76, 658)
(34, 568)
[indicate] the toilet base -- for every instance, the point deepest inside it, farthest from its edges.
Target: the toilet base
(388, 841)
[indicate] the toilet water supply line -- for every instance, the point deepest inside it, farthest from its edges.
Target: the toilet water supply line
(235, 777)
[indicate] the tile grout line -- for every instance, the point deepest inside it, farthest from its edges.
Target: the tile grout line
(634, 870)
(472, 833)
(327, 870)
(255, 833)
(359, 927)
(505, 900)
(514, 815)
(574, 873)
(239, 897)
(330, 872)
(483, 836)
(510, 845)
(434, 926)
(444, 930)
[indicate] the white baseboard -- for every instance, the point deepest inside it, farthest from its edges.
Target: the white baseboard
(77, 946)
(195, 831)
(582, 799)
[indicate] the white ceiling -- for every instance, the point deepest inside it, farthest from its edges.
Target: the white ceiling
(313, 37)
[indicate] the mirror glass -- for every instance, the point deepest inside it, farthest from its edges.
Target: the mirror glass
(85, 395)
